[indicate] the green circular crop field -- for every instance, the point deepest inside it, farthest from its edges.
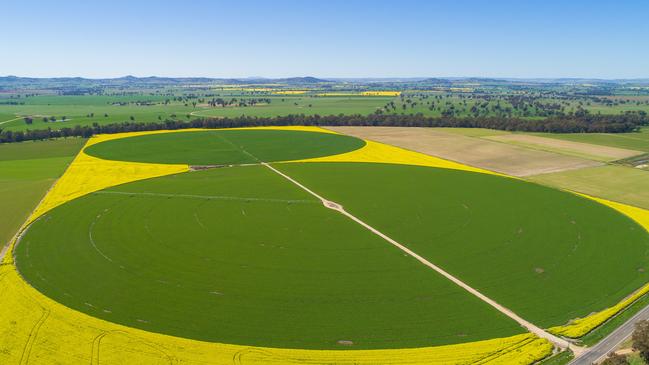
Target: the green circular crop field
(225, 147)
(242, 255)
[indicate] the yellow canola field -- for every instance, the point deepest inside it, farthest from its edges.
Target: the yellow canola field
(381, 93)
(581, 326)
(239, 88)
(290, 92)
(35, 329)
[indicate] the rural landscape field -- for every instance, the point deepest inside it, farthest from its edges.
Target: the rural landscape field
(434, 183)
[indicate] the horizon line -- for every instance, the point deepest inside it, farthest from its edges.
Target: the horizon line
(326, 78)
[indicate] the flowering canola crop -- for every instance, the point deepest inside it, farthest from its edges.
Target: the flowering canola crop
(381, 93)
(35, 329)
(290, 92)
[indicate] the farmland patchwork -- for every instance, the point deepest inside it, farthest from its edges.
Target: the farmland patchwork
(212, 258)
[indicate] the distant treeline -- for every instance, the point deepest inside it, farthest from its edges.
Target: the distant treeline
(588, 123)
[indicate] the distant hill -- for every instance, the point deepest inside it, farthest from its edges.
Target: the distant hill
(15, 82)
(436, 81)
(76, 85)
(289, 81)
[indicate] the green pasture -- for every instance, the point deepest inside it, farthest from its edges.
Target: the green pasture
(225, 146)
(5, 117)
(285, 105)
(618, 183)
(76, 109)
(106, 108)
(63, 147)
(27, 170)
(634, 141)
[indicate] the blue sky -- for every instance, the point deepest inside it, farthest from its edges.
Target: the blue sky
(275, 38)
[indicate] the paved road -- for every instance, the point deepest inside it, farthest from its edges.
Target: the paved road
(610, 342)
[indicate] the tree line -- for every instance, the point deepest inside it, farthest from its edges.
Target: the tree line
(537, 104)
(586, 123)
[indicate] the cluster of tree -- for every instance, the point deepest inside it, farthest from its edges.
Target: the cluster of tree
(133, 102)
(526, 104)
(77, 91)
(587, 123)
(29, 120)
(640, 341)
(616, 359)
(220, 102)
(613, 101)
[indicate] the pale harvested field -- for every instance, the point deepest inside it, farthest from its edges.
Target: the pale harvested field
(598, 152)
(478, 152)
(619, 183)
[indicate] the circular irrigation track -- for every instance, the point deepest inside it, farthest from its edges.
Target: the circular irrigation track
(238, 254)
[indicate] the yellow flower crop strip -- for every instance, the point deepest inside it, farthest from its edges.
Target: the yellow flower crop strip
(381, 93)
(290, 92)
(36, 329)
(637, 214)
(582, 326)
(87, 174)
(250, 89)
